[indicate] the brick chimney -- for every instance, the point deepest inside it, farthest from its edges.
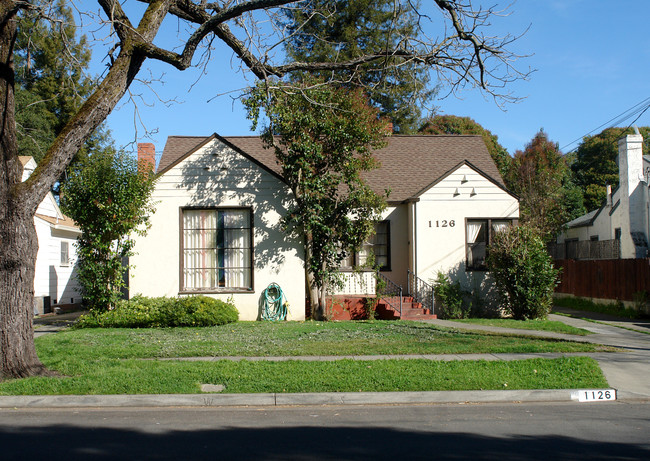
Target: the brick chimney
(146, 157)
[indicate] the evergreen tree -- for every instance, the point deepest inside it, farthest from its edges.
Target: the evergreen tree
(352, 28)
(50, 84)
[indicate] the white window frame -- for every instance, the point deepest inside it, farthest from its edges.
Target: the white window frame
(65, 253)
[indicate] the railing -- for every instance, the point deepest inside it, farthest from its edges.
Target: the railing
(356, 283)
(387, 290)
(420, 291)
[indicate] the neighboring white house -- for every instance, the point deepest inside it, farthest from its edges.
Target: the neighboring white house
(216, 229)
(54, 280)
(623, 222)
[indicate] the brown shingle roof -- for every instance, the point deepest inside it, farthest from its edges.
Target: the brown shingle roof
(24, 159)
(409, 164)
(66, 221)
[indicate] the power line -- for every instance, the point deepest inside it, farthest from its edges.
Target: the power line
(638, 108)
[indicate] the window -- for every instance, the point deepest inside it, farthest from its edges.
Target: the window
(65, 253)
(216, 250)
(378, 245)
(479, 235)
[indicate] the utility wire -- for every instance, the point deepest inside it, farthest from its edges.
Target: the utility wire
(639, 108)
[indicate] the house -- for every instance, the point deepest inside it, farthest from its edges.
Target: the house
(55, 284)
(621, 226)
(216, 229)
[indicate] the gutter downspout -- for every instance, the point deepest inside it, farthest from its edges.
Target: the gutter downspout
(412, 233)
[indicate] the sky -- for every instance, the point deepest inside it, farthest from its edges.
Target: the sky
(590, 62)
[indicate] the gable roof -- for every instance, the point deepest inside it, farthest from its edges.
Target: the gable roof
(65, 223)
(409, 164)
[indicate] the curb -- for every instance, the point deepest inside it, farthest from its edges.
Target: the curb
(305, 399)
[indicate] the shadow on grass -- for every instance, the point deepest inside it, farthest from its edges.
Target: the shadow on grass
(299, 443)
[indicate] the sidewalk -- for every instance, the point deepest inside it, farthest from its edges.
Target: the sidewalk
(627, 371)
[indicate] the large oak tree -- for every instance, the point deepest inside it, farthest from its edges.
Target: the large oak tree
(460, 55)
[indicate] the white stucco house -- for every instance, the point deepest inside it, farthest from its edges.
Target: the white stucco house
(55, 283)
(216, 229)
(621, 226)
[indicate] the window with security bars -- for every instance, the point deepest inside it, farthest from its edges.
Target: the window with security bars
(377, 246)
(216, 249)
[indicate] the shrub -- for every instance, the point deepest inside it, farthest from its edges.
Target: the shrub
(523, 272)
(449, 298)
(143, 312)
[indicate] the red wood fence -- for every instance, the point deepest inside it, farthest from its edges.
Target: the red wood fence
(617, 279)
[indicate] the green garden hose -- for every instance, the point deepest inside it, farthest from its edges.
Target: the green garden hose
(274, 303)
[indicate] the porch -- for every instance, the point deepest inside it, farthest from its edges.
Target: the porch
(368, 294)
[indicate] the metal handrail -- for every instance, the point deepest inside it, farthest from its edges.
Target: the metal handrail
(420, 291)
(392, 289)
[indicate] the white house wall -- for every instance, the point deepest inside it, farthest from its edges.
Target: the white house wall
(48, 207)
(399, 243)
(52, 278)
(440, 222)
(217, 176)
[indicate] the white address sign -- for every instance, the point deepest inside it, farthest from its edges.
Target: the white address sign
(594, 395)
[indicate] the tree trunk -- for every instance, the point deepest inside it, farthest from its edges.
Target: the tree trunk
(19, 200)
(18, 249)
(317, 308)
(18, 243)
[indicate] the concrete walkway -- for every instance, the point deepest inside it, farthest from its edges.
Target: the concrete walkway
(627, 371)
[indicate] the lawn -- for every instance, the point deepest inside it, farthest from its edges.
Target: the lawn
(613, 308)
(541, 325)
(113, 376)
(252, 339)
(115, 361)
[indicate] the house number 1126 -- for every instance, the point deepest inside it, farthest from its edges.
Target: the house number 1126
(446, 223)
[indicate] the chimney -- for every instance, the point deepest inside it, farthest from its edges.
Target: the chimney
(609, 195)
(630, 166)
(146, 157)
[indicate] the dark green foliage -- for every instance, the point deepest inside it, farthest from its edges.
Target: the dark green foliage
(595, 166)
(323, 139)
(523, 272)
(110, 200)
(50, 81)
(143, 312)
(334, 31)
(452, 124)
(541, 178)
(450, 299)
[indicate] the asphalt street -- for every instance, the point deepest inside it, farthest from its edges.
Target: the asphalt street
(519, 431)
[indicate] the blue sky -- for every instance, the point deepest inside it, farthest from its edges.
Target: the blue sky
(590, 58)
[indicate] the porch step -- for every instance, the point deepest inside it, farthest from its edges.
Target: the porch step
(410, 309)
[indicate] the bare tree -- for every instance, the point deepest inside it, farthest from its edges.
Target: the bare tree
(460, 56)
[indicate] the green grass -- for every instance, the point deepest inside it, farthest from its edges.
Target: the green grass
(540, 325)
(114, 376)
(251, 339)
(613, 308)
(118, 361)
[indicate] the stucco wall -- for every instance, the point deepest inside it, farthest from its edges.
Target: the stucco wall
(215, 175)
(440, 222)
